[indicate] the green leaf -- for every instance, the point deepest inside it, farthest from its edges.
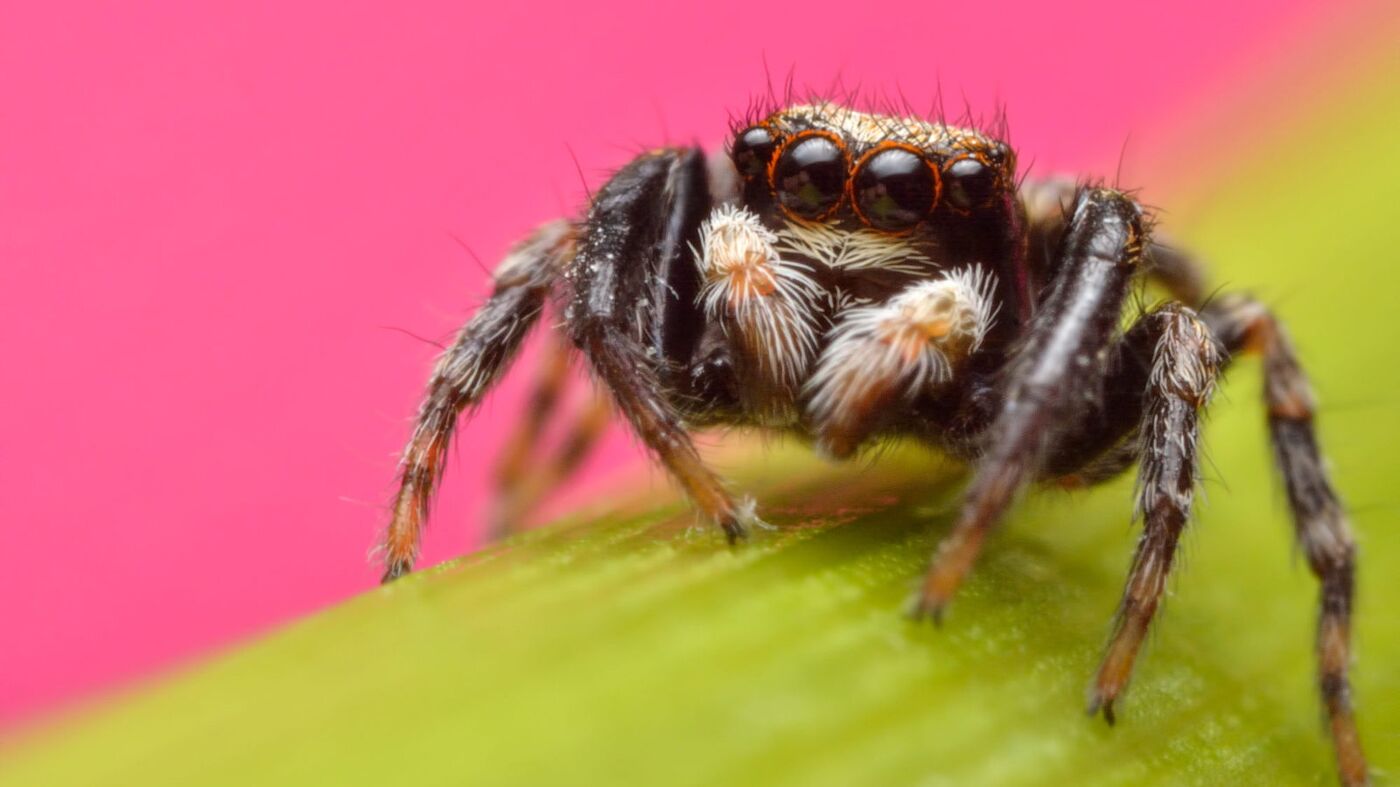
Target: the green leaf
(636, 648)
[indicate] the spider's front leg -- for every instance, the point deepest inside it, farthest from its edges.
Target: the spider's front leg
(1160, 376)
(462, 376)
(1169, 362)
(634, 311)
(1059, 364)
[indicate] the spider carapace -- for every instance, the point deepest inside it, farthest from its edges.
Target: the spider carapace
(850, 278)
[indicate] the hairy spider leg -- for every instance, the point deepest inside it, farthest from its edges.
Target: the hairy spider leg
(550, 384)
(1054, 372)
(1185, 362)
(639, 230)
(1319, 518)
(547, 473)
(1161, 374)
(482, 351)
(524, 474)
(1239, 324)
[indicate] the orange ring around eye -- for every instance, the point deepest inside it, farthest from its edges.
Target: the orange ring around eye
(787, 143)
(880, 148)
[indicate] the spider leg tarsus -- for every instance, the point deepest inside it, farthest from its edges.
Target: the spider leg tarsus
(394, 570)
(734, 530)
(1099, 704)
(919, 608)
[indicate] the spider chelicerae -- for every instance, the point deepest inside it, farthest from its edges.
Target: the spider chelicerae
(850, 278)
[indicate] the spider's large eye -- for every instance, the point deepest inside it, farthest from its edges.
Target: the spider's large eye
(970, 183)
(753, 149)
(894, 188)
(809, 176)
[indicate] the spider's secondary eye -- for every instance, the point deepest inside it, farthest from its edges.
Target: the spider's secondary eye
(810, 176)
(752, 151)
(894, 189)
(970, 183)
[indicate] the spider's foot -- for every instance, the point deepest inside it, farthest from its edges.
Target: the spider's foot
(395, 569)
(943, 579)
(734, 529)
(922, 607)
(1100, 703)
(1111, 680)
(738, 524)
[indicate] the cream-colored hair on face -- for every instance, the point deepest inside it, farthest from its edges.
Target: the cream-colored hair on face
(851, 250)
(911, 343)
(765, 303)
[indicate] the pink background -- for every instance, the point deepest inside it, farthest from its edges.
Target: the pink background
(214, 217)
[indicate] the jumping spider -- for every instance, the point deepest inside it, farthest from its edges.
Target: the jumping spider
(851, 277)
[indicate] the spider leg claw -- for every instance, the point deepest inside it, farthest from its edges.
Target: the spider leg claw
(937, 591)
(921, 606)
(1100, 703)
(734, 530)
(395, 570)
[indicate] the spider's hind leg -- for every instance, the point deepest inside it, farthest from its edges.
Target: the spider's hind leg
(481, 352)
(1320, 522)
(527, 473)
(550, 384)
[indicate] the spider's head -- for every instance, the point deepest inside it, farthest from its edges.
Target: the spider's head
(898, 175)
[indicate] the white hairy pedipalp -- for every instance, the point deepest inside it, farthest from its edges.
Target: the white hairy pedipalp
(763, 302)
(909, 344)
